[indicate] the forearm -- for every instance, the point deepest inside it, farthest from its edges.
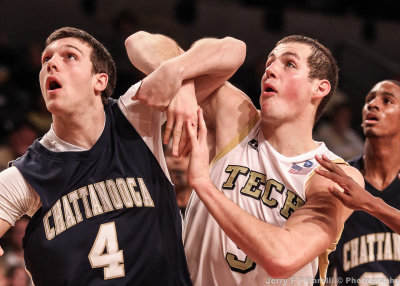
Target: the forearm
(212, 57)
(209, 62)
(272, 247)
(385, 213)
(148, 51)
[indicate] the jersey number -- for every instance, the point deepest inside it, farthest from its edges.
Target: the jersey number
(105, 252)
(239, 266)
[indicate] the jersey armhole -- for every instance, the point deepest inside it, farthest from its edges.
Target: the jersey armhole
(235, 141)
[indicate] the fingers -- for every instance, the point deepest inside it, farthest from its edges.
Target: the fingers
(329, 165)
(1, 251)
(329, 175)
(183, 142)
(168, 127)
(187, 148)
(176, 137)
(202, 125)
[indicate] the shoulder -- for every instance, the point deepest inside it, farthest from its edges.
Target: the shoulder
(318, 183)
(227, 112)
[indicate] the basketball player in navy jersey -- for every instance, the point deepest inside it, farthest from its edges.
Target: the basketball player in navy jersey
(259, 216)
(368, 252)
(96, 185)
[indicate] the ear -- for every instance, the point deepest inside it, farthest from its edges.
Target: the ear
(100, 82)
(322, 88)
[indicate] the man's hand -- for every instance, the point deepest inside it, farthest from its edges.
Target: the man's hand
(353, 195)
(183, 107)
(198, 170)
(159, 88)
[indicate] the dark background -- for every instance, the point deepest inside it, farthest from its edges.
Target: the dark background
(363, 35)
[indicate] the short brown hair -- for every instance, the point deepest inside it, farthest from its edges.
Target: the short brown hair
(321, 63)
(100, 57)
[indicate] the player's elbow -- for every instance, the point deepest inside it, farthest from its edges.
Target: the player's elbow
(281, 267)
(236, 49)
(135, 39)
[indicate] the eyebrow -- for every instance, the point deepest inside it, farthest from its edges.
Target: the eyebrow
(67, 46)
(285, 54)
(385, 93)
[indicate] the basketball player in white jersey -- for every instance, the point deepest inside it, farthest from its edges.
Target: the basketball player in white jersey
(260, 215)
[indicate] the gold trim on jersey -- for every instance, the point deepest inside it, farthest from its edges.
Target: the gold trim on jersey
(235, 141)
(338, 161)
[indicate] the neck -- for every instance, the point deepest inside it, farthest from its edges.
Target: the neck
(182, 196)
(381, 161)
(81, 130)
(289, 139)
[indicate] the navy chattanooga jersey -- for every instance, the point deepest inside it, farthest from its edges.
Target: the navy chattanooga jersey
(109, 215)
(368, 252)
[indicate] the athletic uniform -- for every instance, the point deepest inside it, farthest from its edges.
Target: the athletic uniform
(368, 252)
(267, 185)
(107, 215)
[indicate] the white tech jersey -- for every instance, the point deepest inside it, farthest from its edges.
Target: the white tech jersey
(264, 183)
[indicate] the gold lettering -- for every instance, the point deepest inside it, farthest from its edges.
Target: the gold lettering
(396, 246)
(135, 195)
(83, 193)
(354, 252)
(94, 200)
(50, 232)
(292, 203)
(371, 241)
(73, 198)
(346, 261)
(363, 250)
(58, 218)
(388, 253)
(148, 201)
(114, 194)
(69, 216)
(266, 198)
(234, 172)
(124, 191)
(103, 195)
(253, 183)
(380, 238)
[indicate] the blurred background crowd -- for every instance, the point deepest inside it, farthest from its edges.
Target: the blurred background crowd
(364, 37)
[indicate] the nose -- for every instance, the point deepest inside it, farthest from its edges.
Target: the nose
(373, 104)
(270, 70)
(52, 64)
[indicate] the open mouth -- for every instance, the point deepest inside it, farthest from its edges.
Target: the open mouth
(54, 85)
(371, 117)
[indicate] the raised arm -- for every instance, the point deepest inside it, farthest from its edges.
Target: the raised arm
(355, 197)
(209, 62)
(281, 251)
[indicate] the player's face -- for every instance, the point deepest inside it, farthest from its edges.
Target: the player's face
(381, 111)
(285, 85)
(67, 78)
(177, 168)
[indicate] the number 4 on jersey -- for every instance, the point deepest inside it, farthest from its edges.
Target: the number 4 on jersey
(105, 252)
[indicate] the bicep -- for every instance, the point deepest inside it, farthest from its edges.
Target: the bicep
(4, 226)
(17, 197)
(319, 222)
(227, 111)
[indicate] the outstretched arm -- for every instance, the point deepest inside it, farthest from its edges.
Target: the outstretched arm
(356, 198)
(281, 251)
(209, 62)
